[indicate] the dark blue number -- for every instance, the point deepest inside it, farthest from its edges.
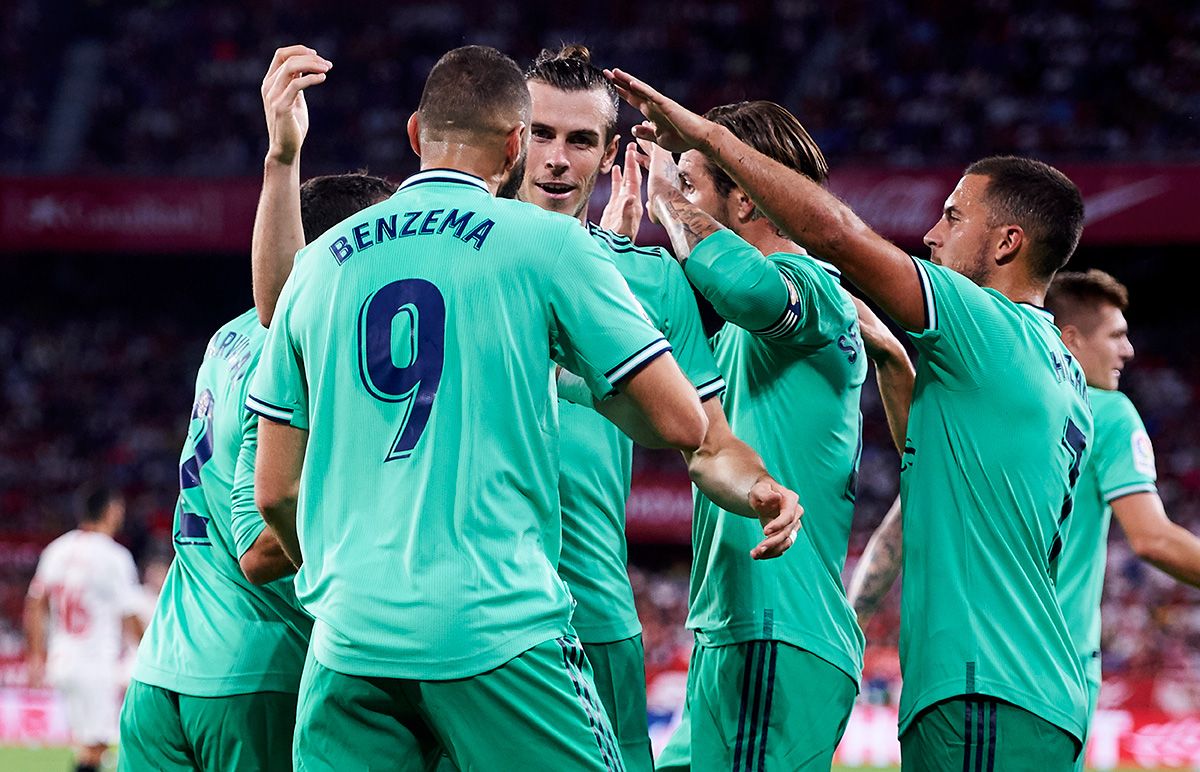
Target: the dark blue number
(190, 527)
(1075, 442)
(401, 348)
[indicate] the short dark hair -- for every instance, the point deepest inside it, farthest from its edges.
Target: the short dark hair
(326, 201)
(473, 90)
(1075, 297)
(773, 131)
(1040, 199)
(570, 68)
(95, 500)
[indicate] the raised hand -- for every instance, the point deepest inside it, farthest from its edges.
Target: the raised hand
(779, 513)
(623, 212)
(663, 175)
(669, 124)
(292, 70)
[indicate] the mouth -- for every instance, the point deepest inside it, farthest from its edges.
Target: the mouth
(556, 190)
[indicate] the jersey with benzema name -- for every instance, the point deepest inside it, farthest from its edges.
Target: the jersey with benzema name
(213, 632)
(1121, 464)
(998, 432)
(597, 458)
(91, 583)
(412, 343)
(793, 395)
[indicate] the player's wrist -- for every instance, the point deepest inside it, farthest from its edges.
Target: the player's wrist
(278, 157)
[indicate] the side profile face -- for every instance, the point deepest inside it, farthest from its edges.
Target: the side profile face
(962, 240)
(567, 149)
(696, 184)
(114, 513)
(1102, 351)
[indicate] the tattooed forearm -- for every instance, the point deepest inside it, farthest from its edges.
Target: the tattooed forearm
(876, 572)
(687, 225)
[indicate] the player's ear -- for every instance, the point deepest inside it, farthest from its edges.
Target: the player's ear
(1070, 336)
(514, 146)
(742, 205)
(414, 134)
(1010, 240)
(610, 154)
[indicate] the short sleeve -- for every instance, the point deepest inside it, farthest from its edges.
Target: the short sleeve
(600, 330)
(818, 309)
(1124, 457)
(246, 524)
(685, 333)
(279, 391)
(966, 330)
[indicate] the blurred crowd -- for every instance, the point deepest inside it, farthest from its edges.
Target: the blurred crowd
(107, 399)
(171, 87)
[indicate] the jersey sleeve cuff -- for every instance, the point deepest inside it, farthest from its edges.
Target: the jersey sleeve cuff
(1127, 490)
(711, 388)
(276, 413)
(632, 364)
(789, 320)
(927, 297)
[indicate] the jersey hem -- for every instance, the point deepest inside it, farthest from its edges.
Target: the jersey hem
(822, 648)
(201, 686)
(948, 690)
(467, 666)
(601, 634)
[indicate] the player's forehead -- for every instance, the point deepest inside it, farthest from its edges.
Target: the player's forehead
(968, 194)
(692, 164)
(570, 111)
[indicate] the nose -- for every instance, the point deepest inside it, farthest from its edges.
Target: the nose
(556, 157)
(931, 239)
(1127, 349)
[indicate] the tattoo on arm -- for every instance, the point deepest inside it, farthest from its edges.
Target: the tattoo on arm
(878, 568)
(686, 224)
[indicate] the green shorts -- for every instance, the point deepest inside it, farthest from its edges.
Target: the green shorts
(537, 711)
(620, 675)
(1091, 669)
(738, 720)
(163, 730)
(985, 734)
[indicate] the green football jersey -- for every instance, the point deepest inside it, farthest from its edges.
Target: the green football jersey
(596, 458)
(793, 395)
(413, 343)
(997, 434)
(213, 633)
(1121, 463)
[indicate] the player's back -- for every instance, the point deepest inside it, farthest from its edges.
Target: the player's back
(998, 430)
(90, 581)
(794, 398)
(419, 334)
(213, 632)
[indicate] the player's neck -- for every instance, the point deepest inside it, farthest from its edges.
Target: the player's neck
(100, 527)
(1017, 286)
(467, 159)
(765, 237)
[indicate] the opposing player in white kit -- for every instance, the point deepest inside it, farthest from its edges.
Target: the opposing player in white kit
(84, 594)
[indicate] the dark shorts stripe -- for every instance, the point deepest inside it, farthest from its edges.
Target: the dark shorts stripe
(755, 717)
(766, 719)
(979, 722)
(967, 734)
(747, 666)
(991, 762)
(568, 647)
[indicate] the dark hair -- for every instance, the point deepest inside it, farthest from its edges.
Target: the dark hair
(95, 500)
(326, 201)
(1041, 200)
(570, 68)
(773, 131)
(473, 90)
(1074, 297)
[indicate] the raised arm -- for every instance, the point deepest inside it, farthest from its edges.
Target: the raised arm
(894, 371)
(878, 568)
(278, 232)
(802, 209)
(1165, 545)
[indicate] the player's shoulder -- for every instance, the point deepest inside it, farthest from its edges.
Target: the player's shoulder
(1111, 405)
(619, 244)
(820, 280)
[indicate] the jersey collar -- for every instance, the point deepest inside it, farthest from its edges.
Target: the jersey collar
(1047, 315)
(452, 176)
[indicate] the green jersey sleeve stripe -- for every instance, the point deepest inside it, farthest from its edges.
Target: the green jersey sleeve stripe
(711, 389)
(1126, 490)
(638, 360)
(267, 410)
(927, 295)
